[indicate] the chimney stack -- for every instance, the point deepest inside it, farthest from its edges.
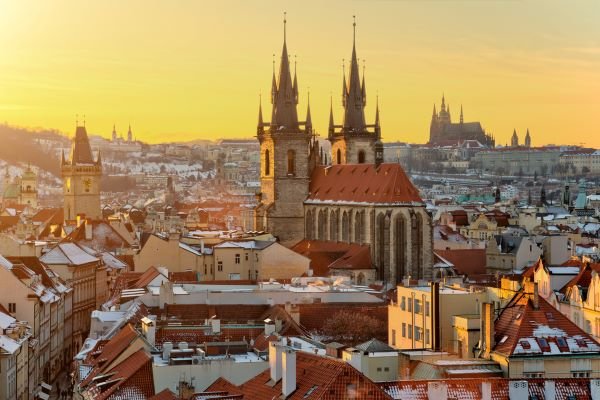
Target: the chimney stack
(275, 361)
(487, 329)
(486, 390)
(149, 329)
(288, 384)
(215, 325)
(549, 390)
(88, 228)
(518, 390)
(435, 320)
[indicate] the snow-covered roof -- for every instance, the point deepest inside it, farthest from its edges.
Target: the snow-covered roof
(67, 254)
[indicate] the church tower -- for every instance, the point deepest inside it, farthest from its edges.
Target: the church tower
(129, 134)
(528, 139)
(29, 188)
(81, 179)
(514, 140)
(353, 142)
(288, 153)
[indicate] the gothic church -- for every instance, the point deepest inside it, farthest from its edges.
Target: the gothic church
(357, 199)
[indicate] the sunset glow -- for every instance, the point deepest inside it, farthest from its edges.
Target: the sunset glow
(187, 70)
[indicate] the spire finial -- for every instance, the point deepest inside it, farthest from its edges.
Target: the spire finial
(354, 28)
(76, 120)
(284, 25)
(84, 120)
(273, 63)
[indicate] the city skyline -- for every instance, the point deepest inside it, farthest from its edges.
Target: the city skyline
(525, 68)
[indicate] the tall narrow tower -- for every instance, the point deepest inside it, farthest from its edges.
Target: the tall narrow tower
(514, 140)
(286, 149)
(353, 142)
(81, 179)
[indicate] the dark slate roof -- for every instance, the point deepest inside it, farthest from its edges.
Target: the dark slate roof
(374, 346)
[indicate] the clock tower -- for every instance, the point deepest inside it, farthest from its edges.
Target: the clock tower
(81, 179)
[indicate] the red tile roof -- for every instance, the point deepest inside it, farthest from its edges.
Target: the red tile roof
(7, 222)
(164, 395)
(466, 261)
(132, 379)
(317, 377)
(325, 256)
(520, 328)
(366, 183)
(470, 389)
(106, 352)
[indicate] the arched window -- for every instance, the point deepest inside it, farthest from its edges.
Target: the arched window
(339, 156)
(267, 162)
(361, 157)
(291, 162)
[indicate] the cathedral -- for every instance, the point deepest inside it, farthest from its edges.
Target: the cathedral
(443, 131)
(81, 179)
(355, 199)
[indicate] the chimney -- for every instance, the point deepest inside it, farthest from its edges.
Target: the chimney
(435, 320)
(202, 246)
(536, 296)
(215, 325)
(167, 348)
(437, 390)
(275, 361)
(406, 281)
(88, 229)
(549, 390)
(486, 390)
(518, 390)
(487, 329)
(269, 327)
(149, 329)
(288, 361)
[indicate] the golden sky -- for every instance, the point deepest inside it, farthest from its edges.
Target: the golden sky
(186, 70)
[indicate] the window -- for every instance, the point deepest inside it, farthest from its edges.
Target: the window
(237, 258)
(361, 157)
(267, 163)
(404, 329)
(427, 336)
(410, 331)
(403, 304)
(386, 369)
(339, 156)
(220, 266)
(378, 369)
(234, 277)
(12, 308)
(393, 337)
(246, 256)
(291, 162)
(417, 306)
(427, 309)
(418, 333)
(409, 304)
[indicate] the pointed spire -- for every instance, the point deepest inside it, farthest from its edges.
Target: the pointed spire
(295, 84)
(344, 85)
(377, 124)
(443, 107)
(284, 102)
(99, 159)
(363, 88)
(331, 123)
(461, 114)
(273, 84)
(434, 111)
(260, 116)
(308, 117)
(354, 116)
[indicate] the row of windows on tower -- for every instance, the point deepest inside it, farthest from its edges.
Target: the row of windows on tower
(291, 160)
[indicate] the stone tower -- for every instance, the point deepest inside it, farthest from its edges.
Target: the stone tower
(129, 134)
(29, 188)
(353, 142)
(514, 140)
(288, 155)
(528, 139)
(81, 179)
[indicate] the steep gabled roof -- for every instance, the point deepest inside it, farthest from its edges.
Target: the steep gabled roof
(326, 255)
(131, 379)
(67, 254)
(362, 183)
(523, 330)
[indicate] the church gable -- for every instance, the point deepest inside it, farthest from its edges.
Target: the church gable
(362, 183)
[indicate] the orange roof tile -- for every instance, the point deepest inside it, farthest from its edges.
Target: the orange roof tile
(466, 261)
(362, 183)
(325, 255)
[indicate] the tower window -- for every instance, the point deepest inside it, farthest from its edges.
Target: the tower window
(339, 156)
(291, 159)
(267, 163)
(361, 157)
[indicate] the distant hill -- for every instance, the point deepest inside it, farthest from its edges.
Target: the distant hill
(18, 145)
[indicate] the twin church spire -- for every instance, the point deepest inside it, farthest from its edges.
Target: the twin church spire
(285, 95)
